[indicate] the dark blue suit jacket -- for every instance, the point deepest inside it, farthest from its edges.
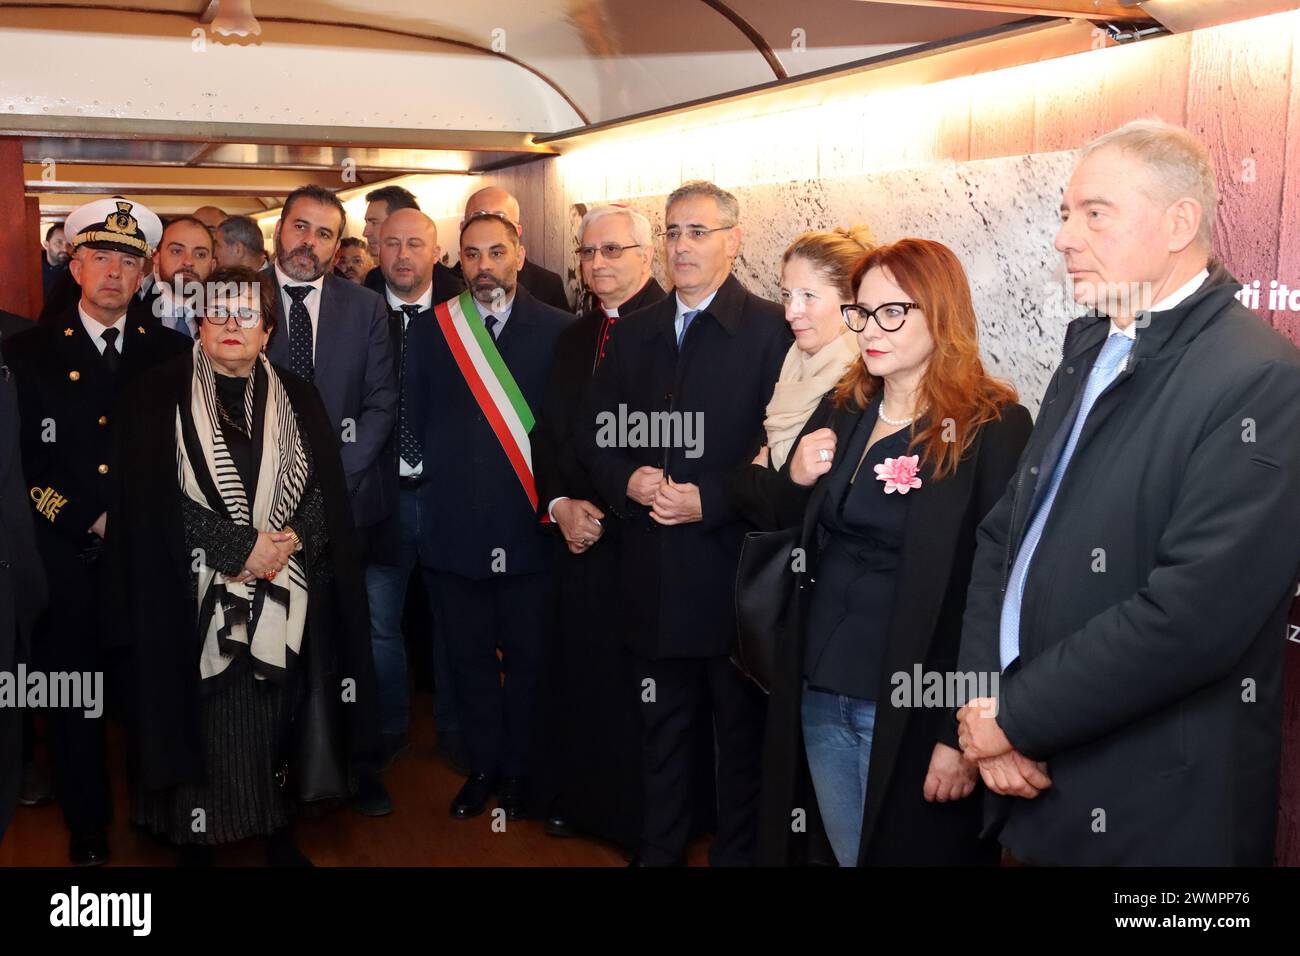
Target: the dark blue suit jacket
(355, 378)
(471, 502)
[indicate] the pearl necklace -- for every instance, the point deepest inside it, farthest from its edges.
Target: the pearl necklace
(896, 422)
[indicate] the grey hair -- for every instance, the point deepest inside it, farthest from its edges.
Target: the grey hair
(1179, 163)
(641, 233)
(727, 203)
(245, 231)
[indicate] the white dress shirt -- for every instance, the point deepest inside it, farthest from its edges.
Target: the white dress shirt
(683, 308)
(96, 330)
(1171, 301)
(425, 302)
(502, 312)
(311, 301)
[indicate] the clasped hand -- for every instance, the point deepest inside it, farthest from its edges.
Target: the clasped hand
(270, 553)
(1004, 769)
(670, 502)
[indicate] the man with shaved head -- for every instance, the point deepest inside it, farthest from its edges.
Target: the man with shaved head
(544, 284)
(414, 282)
(211, 217)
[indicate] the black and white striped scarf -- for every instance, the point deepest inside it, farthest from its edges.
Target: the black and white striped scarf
(261, 618)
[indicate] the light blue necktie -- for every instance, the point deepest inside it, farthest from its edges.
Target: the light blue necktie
(180, 322)
(1104, 371)
(687, 317)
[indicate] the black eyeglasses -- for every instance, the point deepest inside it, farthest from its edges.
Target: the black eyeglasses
(694, 233)
(889, 317)
(610, 250)
(247, 318)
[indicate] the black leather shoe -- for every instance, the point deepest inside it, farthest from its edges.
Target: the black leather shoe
(511, 798)
(557, 826)
(473, 797)
(372, 797)
(88, 849)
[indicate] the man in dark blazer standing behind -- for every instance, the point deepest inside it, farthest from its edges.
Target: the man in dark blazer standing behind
(334, 333)
(708, 355)
(542, 284)
(476, 369)
(1132, 585)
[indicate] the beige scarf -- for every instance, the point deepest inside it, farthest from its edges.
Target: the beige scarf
(803, 381)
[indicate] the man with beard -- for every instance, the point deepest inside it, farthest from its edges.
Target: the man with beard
(408, 253)
(353, 262)
(475, 371)
(54, 261)
(181, 264)
(69, 371)
(336, 336)
(542, 283)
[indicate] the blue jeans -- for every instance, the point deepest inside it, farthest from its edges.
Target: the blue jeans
(837, 733)
(386, 587)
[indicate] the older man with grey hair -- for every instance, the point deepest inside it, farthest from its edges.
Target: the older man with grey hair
(239, 243)
(592, 781)
(1131, 587)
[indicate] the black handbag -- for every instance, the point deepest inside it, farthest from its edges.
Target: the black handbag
(320, 758)
(766, 589)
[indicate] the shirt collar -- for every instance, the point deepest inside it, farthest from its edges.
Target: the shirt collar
(283, 280)
(96, 329)
(395, 304)
(1171, 301)
(683, 308)
(502, 312)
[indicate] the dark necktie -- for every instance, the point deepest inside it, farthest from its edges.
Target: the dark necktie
(410, 449)
(301, 362)
(112, 358)
(491, 321)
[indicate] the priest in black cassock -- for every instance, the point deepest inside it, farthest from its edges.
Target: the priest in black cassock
(592, 779)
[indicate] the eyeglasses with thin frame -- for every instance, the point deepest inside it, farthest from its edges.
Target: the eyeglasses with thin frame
(610, 250)
(246, 318)
(889, 316)
(674, 235)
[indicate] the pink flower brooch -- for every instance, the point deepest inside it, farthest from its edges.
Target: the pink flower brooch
(899, 474)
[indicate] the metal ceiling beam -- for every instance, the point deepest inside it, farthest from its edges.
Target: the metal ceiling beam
(1091, 9)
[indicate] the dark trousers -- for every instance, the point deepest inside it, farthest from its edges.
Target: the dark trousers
(682, 688)
(68, 640)
(495, 697)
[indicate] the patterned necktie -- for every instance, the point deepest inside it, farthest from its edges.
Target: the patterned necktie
(1104, 371)
(301, 361)
(407, 446)
(687, 318)
(112, 358)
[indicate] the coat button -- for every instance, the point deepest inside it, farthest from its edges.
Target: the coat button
(1033, 469)
(1069, 370)
(74, 375)
(103, 469)
(103, 419)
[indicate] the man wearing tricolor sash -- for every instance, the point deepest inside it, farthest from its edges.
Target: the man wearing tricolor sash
(477, 368)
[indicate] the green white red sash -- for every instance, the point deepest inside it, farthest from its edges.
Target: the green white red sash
(492, 385)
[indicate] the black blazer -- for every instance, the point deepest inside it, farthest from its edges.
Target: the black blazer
(151, 594)
(679, 580)
(63, 383)
(471, 501)
(554, 459)
(22, 589)
(12, 325)
(543, 284)
(899, 826)
(356, 380)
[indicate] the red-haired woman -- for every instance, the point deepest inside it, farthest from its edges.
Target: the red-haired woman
(920, 444)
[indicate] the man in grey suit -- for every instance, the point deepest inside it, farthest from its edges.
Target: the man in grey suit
(334, 333)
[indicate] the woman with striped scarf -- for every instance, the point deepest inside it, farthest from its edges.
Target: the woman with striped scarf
(233, 564)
